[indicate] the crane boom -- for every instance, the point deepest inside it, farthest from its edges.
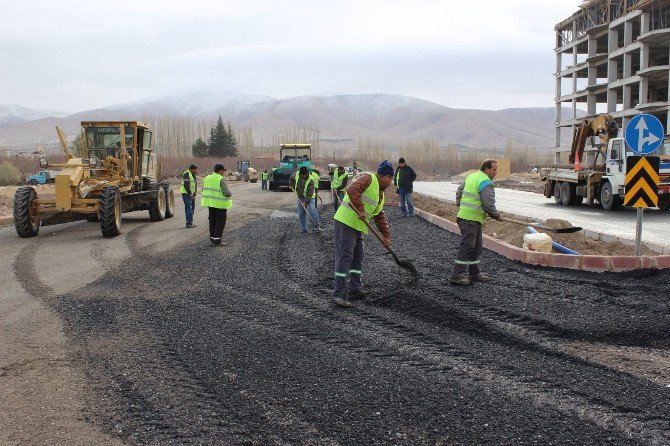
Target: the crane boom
(604, 126)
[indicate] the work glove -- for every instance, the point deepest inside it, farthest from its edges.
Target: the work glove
(397, 191)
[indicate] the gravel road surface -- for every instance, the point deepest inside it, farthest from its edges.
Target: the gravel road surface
(194, 344)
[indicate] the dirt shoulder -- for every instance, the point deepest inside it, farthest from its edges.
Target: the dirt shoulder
(513, 233)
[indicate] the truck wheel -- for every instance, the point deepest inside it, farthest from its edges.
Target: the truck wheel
(557, 192)
(23, 221)
(33, 182)
(568, 194)
(110, 211)
(157, 204)
(608, 200)
(169, 200)
(664, 202)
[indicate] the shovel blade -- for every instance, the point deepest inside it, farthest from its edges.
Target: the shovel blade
(408, 266)
(568, 230)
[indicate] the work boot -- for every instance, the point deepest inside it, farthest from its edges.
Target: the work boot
(481, 277)
(342, 302)
(358, 295)
(190, 225)
(460, 280)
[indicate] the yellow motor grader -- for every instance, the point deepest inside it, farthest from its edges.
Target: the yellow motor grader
(117, 174)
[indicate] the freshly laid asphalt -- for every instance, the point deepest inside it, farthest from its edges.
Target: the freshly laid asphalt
(241, 345)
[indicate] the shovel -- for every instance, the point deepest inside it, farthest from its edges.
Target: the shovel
(304, 206)
(546, 228)
(401, 263)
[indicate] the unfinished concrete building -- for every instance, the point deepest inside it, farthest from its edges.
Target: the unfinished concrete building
(613, 56)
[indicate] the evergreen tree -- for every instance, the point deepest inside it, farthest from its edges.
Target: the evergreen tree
(231, 142)
(199, 148)
(218, 140)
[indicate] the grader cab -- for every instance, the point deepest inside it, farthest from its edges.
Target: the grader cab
(117, 174)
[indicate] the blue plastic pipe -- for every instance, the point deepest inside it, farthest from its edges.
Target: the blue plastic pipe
(560, 248)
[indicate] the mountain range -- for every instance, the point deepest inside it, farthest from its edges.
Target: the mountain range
(391, 118)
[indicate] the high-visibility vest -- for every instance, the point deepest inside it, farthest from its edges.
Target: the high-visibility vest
(265, 175)
(304, 192)
(212, 195)
(315, 178)
(397, 178)
(192, 184)
(337, 180)
(371, 203)
(471, 201)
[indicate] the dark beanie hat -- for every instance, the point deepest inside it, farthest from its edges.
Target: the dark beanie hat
(192, 166)
(385, 168)
(401, 161)
(219, 167)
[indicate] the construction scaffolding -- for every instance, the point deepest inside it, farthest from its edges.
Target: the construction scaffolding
(613, 56)
(595, 13)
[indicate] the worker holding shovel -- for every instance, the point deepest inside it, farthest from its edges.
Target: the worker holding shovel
(303, 186)
(475, 199)
(364, 200)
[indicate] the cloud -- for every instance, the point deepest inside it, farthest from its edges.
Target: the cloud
(80, 54)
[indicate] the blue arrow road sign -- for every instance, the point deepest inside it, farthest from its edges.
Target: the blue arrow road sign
(644, 134)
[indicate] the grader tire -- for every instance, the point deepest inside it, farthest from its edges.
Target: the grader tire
(157, 204)
(23, 199)
(110, 212)
(169, 200)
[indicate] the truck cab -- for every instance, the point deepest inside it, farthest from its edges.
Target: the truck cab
(605, 180)
(41, 177)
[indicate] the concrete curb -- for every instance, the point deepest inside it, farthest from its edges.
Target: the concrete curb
(580, 262)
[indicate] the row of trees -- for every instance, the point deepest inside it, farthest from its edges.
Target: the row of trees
(427, 155)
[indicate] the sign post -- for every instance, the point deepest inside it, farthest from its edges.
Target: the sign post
(644, 135)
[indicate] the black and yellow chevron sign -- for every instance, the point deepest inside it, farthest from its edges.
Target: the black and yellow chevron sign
(641, 181)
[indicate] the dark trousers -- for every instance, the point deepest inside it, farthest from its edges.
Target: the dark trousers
(217, 222)
(264, 184)
(470, 248)
(348, 259)
(338, 197)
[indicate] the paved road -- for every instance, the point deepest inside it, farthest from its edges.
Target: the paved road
(619, 223)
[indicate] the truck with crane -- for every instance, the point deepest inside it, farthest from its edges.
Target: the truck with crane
(604, 180)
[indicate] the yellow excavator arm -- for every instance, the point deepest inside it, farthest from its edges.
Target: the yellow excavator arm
(604, 126)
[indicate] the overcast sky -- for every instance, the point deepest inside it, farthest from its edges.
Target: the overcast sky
(76, 55)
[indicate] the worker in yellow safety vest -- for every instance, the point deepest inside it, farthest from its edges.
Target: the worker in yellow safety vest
(475, 199)
(188, 189)
(338, 185)
(217, 197)
(302, 184)
(265, 175)
(363, 201)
